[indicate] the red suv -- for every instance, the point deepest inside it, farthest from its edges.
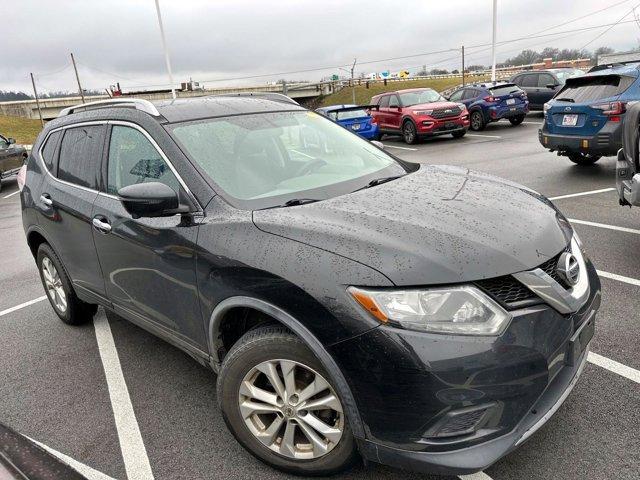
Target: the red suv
(419, 112)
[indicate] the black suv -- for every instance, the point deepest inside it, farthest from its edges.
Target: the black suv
(427, 317)
(541, 85)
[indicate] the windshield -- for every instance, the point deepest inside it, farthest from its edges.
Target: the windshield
(587, 89)
(420, 96)
(348, 115)
(264, 160)
(568, 73)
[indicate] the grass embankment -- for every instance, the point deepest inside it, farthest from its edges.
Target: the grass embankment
(24, 130)
(363, 94)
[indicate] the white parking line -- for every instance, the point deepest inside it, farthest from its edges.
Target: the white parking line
(580, 194)
(534, 123)
(11, 194)
(615, 367)
(478, 135)
(400, 148)
(86, 470)
(604, 225)
(619, 278)
(134, 453)
(22, 305)
(475, 476)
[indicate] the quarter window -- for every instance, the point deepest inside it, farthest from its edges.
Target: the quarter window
(81, 155)
(49, 151)
(4, 143)
(133, 159)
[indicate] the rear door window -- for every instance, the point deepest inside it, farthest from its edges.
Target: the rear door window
(545, 79)
(587, 89)
(49, 152)
(81, 155)
(456, 96)
(384, 101)
(394, 101)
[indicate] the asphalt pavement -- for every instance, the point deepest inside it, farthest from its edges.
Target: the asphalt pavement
(65, 387)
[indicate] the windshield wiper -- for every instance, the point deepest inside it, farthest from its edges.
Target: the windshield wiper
(563, 99)
(298, 201)
(378, 181)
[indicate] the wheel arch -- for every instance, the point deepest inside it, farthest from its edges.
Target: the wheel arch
(276, 314)
(35, 238)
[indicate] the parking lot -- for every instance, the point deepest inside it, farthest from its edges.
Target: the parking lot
(124, 404)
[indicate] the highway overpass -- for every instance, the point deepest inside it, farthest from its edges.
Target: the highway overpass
(51, 106)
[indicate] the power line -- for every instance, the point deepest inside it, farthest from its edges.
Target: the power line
(613, 25)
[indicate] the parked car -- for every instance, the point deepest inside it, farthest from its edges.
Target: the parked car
(541, 85)
(418, 113)
(628, 164)
(353, 117)
(584, 120)
(12, 157)
(23, 459)
(347, 304)
(490, 102)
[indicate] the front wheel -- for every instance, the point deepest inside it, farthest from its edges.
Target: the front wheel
(278, 401)
(459, 133)
(409, 132)
(477, 122)
(516, 120)
(583, 158)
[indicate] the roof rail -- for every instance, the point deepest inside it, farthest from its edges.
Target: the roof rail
(274, 96)
(138, 103)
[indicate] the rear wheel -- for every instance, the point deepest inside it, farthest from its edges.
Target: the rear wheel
(583, 158)
(57, 284)
(279, 403)
(409, 132)
(459, 133)
(516, 120)
(477, 122)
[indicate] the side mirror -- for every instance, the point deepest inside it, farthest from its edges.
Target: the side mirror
(552, 86)
(11, 141)
(153, 199)
(378, 144)
(399, 108)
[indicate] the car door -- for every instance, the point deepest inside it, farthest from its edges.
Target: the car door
(10, 156)
(469, 96)
(148, 263)
(383, 112)
(544, 92)
(529, 84)
(72, 157)
(394, 112)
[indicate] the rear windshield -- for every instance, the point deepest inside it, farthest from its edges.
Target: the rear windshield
(348, 115)
(587, 89)
(504, 90)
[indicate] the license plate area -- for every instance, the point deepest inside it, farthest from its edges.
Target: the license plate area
(580, 340)
(569, 120)
(355, 126)
(449, 125)
(511, 101)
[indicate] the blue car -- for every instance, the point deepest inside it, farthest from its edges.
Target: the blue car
(492, 101)
(354, 118)
(583, 121)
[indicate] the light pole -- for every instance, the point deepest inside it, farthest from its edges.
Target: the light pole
(166, 51)
(493, 42)
(353, 83)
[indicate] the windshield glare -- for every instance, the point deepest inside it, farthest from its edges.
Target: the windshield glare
(568, 73)
(348, 115)
(420, 96)
(266, 159)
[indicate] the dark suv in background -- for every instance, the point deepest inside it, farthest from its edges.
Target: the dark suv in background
(277, 248)
(541, 85)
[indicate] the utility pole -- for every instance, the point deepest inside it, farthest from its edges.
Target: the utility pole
(75, 69)
(353, 83)
(35, 92)
(493, 42)
(463, 65)
(166, 51)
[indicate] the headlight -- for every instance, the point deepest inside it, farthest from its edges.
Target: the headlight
(422, 112)
(462, 106)
(463, 310)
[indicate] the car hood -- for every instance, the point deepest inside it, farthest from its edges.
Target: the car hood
(438, 225)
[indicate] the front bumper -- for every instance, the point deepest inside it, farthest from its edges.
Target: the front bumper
(606, 142)
(406, 383)
(428, 126)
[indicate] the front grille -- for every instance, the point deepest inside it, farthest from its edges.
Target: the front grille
(446, 112)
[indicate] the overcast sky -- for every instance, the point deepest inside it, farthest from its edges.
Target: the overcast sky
(119, 40)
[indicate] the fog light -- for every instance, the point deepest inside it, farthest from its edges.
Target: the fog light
(585, 143)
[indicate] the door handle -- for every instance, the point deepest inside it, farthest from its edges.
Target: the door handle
(46, 199)
(101, 225)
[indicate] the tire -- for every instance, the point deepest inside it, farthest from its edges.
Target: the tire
(274, 347)
(69, 308)
(476, 121)
(459, 133)
(583, 159)
(516, 120)
(409, 132)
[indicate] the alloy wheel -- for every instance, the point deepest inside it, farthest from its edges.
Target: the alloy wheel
(53, 284)
(476, 120)
(409, 132)
(291, 409)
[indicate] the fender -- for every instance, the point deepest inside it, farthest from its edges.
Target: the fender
(303, 333)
